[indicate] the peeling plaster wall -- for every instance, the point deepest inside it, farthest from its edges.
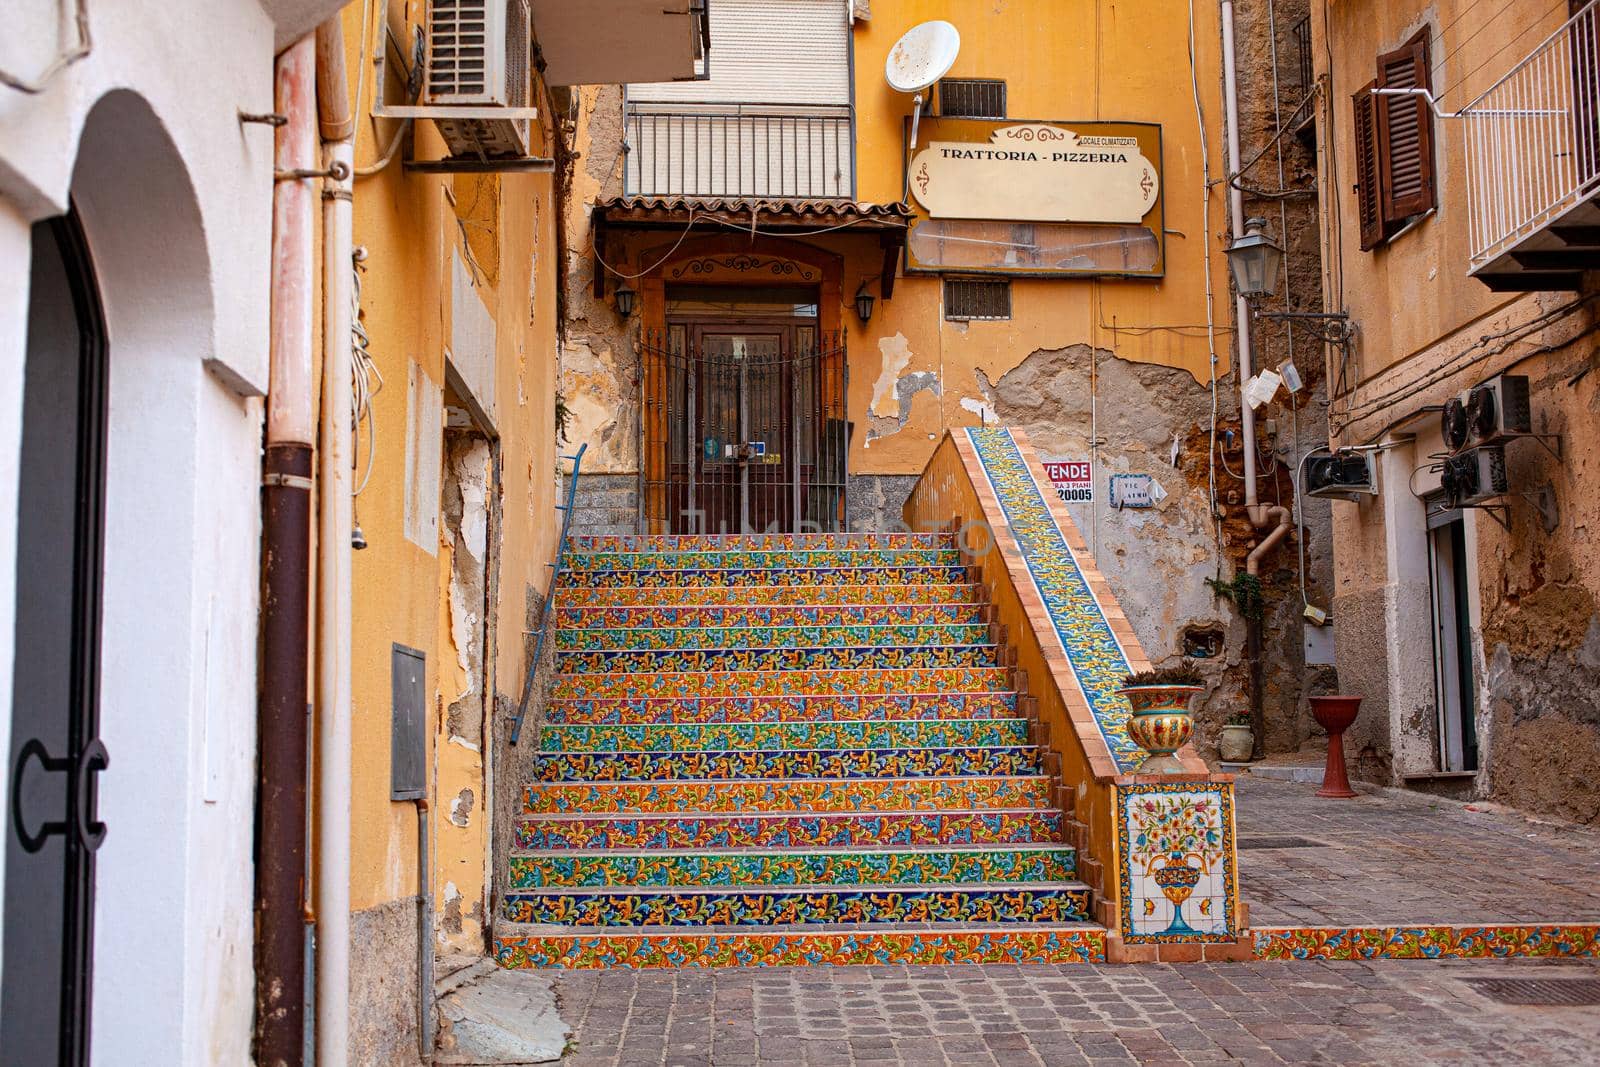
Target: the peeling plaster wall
(1158, 559)
(1426, 330)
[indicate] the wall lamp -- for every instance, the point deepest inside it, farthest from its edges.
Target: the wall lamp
(864, 302)
(624, 297)
(1255, 260)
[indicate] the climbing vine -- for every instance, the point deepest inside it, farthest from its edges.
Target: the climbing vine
(1245, 593)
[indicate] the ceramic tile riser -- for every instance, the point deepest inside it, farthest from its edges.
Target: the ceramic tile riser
(784, 749)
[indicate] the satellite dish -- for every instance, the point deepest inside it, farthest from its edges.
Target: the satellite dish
(919, 58)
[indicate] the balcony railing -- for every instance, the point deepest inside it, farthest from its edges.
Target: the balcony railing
(741, 150)
(1533, 140)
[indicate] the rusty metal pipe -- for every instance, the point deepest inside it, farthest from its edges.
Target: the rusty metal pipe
(285, 553)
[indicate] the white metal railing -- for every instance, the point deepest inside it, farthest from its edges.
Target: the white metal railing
(1533, 139)
(802, 151)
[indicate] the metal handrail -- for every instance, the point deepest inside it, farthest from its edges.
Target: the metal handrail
(555, 576)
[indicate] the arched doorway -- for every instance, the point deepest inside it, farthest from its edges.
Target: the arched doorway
(56, 754)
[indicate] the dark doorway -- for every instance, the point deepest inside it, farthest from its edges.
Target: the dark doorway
(744, 427)
(1454, 688)
(55, 752)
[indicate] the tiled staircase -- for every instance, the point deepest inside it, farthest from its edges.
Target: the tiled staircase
(785, 749)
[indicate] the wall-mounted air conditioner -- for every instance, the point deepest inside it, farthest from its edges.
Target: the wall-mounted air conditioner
(1341, 476)
(1474, 476)
(1487, 414)
(477, 61)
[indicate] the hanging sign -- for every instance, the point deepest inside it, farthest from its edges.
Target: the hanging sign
(1073, 480)
(1043, 198)
(1037, 173)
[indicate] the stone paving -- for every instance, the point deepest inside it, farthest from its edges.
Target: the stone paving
(1383, 858)
(1269, 1013)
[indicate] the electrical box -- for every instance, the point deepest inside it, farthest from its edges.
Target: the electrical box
(1135, 491)
(408, 738)
(1318, 645)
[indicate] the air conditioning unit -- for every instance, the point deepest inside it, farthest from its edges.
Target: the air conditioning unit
(478, 58)
(1497, 409)
(1453, 424)
(1341, 476)
(1474, 476)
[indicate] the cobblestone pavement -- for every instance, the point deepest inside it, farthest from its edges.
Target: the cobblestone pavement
(1385, 859)
(1385, 1012)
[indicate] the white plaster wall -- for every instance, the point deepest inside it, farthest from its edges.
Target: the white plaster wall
(176, 199)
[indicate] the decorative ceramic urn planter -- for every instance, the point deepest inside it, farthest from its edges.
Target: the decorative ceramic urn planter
(1237, 742)
(1160, 723)
(1335, 714)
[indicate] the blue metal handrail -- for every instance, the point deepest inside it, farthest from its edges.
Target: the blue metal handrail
(555, 576)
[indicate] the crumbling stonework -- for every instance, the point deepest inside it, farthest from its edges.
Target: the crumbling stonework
(383, 984)
(1158, 559)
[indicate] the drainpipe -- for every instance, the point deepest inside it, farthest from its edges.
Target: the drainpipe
(285, 599)
(1245, 361)
(1252, 566)
(333, 557)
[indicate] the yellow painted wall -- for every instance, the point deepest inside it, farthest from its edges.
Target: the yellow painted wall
(410, 226)
(1064, 61)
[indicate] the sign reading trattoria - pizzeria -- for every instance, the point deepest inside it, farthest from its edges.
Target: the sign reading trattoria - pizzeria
(1038, 172)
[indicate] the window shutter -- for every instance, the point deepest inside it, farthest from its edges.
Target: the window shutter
(1369, 206)
(1405, 133)
(768, 52)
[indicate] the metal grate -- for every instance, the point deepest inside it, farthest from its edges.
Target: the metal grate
(972, 98)
(1539, 992)
(1278, 842)
(965, 298)
(457, 47)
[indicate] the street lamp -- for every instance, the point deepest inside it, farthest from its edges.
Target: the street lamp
(624, 301)
(864, 302)
(1255, 260)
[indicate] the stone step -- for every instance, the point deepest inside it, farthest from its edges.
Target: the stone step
(831, 542)
(883, 944)
(782, 683)
(762, 905)
(741, 660)
(699, 830)
(665, 638)
(957, 593)
(745, 867)
(741, 577)
(741, 709)
(832, 616)
(787, 763)
(743, 559)
(768, 737)
(798, 795)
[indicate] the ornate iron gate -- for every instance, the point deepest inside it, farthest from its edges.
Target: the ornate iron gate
(743, 428)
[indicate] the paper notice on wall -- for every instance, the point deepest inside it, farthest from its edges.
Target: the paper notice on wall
(1073, 480)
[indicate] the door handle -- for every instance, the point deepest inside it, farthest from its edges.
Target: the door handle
(93, 759)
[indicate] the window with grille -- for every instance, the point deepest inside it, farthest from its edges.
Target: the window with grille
(1394, 145)
(966, 298)
(972, 98)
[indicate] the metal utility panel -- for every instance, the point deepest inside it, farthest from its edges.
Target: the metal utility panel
(408, 738)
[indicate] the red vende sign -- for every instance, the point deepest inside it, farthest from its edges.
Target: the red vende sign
(1073, 479)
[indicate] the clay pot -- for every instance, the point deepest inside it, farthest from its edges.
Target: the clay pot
(1335, 714)
(1160, 723)
(1236, 743)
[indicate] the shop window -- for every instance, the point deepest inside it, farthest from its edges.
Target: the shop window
(972, 98)
(1394, 145)
(967, 298)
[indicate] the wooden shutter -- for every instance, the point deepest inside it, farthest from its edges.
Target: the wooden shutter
(1405, 133)
(1369, 203)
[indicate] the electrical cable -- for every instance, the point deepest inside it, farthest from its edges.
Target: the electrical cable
(62, 61)
(368, 58)
(364, 373)
(1531, 24)
(1211, 315)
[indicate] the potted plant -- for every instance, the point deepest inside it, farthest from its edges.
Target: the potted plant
(1238, 739)
(1160, 722)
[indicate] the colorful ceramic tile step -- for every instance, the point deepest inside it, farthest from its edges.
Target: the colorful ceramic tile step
(784, 749)
(846, 707)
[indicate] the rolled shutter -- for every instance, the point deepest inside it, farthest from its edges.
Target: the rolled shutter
(1405, 132)
(1369, 201)
(768, 52)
